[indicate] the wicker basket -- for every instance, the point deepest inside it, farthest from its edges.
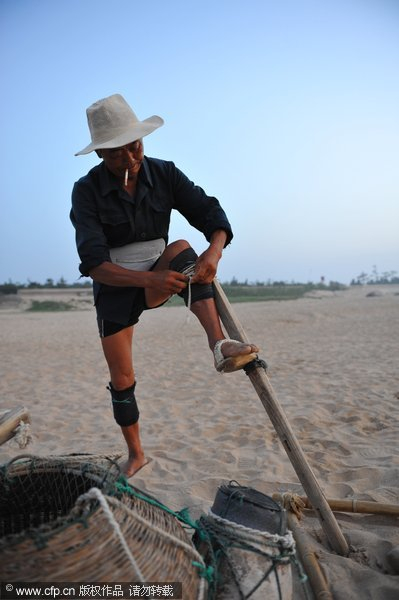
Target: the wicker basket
(53, 528)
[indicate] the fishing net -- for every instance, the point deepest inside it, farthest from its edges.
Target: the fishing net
(77, 519)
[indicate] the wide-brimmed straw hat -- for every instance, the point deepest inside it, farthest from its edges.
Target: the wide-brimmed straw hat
(113, 123)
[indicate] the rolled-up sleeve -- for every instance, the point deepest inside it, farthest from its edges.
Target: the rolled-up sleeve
(91, 242)
(201, 211)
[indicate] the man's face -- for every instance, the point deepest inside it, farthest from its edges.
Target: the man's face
(129, 157)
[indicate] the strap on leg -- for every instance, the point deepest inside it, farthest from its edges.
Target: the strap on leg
(183, 263)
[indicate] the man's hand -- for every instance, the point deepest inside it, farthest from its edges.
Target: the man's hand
(206, 266)
(168, 282)
(207, 263)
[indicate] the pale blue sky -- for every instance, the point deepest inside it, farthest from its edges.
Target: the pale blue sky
(287, 111)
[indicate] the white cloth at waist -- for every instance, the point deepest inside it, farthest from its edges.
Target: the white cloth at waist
(138, 256)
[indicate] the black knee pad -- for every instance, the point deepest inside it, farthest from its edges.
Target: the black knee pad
(124, 405)
(184, 259)
(199, 291)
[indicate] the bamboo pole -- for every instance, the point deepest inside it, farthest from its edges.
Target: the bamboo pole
(358, 506)
(10, 420)
(263, 387)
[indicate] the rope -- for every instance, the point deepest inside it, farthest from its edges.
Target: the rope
(286, 541)
(294, 503)
(189, 272)
(96, 494)
(23, 435)
(188, 313)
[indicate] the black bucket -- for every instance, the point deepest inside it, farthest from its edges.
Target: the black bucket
(249, 507)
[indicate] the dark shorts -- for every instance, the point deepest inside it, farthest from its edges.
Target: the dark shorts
(106, 328)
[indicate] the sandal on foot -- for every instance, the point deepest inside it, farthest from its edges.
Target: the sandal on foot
(229, 364)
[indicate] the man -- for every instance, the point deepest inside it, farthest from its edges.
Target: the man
(121, 212)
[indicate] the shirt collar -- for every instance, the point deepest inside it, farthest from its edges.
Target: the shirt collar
(108, 181)
(145, 173)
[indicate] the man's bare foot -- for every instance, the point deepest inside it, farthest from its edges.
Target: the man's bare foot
(133, 464)
(231, 355)
(237, 348)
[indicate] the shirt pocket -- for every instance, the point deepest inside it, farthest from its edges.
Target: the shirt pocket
(117, 227)
(112, 216)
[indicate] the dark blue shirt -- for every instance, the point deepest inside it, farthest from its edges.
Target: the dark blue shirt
(105, 216)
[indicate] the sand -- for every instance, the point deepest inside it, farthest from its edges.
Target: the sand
(332, 361)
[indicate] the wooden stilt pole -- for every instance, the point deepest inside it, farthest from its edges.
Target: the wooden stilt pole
(262, 385)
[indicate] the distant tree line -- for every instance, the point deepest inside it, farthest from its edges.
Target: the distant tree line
(376, 278)
(387, 277)
(12, 288)
(332, 285)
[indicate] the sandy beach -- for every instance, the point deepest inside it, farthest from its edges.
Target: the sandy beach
(332, 360)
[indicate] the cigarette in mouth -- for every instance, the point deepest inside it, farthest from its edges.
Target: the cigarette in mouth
(126, 176)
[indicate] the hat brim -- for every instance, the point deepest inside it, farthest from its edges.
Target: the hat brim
(133, 133)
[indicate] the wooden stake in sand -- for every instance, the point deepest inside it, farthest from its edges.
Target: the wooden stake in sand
(262, 385)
